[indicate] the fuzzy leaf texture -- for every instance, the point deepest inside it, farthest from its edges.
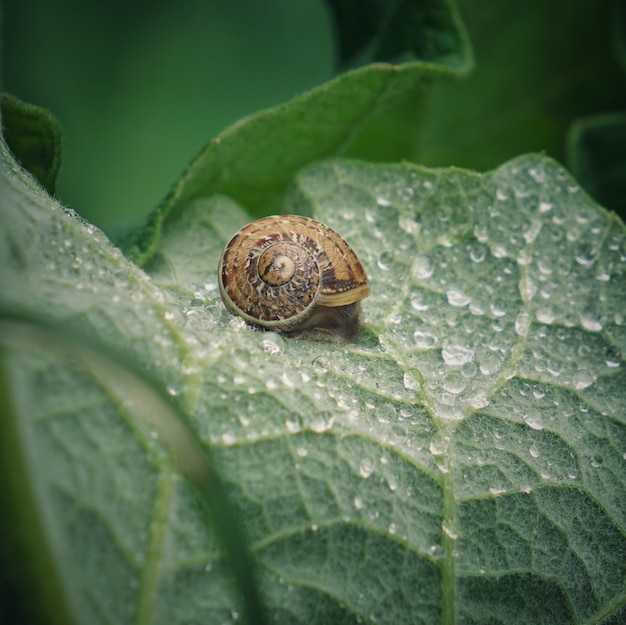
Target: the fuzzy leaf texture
(463, 461)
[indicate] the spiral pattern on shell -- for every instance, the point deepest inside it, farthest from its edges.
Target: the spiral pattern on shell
(279, 272)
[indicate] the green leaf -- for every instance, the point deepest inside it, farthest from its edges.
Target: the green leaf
(539, 67)
(461, 462)
(426, 31)
(254, 160)
(34, 137)
(597, 153)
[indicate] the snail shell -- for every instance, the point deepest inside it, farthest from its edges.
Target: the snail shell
(289, 273)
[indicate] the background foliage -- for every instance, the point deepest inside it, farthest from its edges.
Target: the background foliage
(139, 90)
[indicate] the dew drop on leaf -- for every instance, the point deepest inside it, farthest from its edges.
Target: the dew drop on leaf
(422, 268)
(365, 468)
(454, 382)
(455, 354)
(533, 422)
(456, 297)
(385, 261)
(522, 323)
(270, 345)
(590, 320)
(411, 383)
(418, 304)
(582, 379)
(613, 357)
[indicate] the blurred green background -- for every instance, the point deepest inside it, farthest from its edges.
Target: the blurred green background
(138, 88)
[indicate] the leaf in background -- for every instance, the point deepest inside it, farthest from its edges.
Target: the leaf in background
(539, 67)
(597, 156)
(254, 160)
(462, 459)
(34, 137)
(429, 31)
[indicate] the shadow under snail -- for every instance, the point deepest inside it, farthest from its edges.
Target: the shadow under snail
(291, 273)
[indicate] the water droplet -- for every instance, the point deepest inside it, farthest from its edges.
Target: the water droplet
(358, 503)
(537, 175)
(545, 206)
(528, 287)
(417, 304)
(478, 399)
(590, 320)
(534, 452)
(531, 234)
(347, 214)
(456, 297)
(587, 257)
(544, 265)
(613, 357)
(302, 452)
(533, 422)
(582, 379)
(449, 531)
(454, 354)
(320, 425)
(288, 380)
(546, 315)
(497, 309)
(469, 370)
(522, 323)
(477, 253)
(173, 390)
(392, 528)
(436, 448)
(293, 426)
(321, 364)
(385, 261)
(490, 364)
(381, 200)
(454, 382)
(422, 268)
(408, 224)
(365, 468)
(424, 339)
(228, 438)
(411, 382)
(271, 345)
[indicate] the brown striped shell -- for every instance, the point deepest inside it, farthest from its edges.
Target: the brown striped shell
(288, 273)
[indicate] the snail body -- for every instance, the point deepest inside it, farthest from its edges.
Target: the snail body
(289, 273)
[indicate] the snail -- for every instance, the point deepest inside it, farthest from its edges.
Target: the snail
(290, 273)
